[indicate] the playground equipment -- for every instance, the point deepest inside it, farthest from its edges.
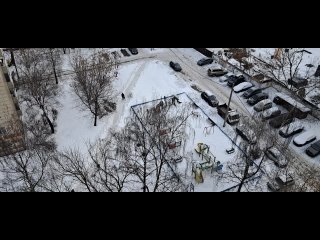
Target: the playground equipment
(208, 162)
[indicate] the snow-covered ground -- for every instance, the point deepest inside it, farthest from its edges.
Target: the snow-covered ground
(146, 77)
(200, 130)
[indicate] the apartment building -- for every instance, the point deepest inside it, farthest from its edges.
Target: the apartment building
(11, 131)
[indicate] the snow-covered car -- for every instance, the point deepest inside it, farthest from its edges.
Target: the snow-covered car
(271, 113)
(304, 139)
(242, 87)
(281, 183)
(247, 134)
(314, 149)
(205, 61)
(263, 105)
(175, 66)
(291, 130)
(277, 157)
(251, 92)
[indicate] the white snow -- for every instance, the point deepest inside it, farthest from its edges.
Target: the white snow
(242, 86)
(304, 137)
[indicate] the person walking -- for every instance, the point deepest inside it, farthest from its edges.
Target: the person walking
(123, 96)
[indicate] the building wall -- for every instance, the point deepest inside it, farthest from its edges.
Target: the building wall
(11, 132)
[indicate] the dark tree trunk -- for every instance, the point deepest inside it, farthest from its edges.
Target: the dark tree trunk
(55, 74)
(50, 124)
(49, 121)
(13, 61)
(245, 175)
(95, 113)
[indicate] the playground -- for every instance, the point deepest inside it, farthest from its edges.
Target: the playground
(201, 154)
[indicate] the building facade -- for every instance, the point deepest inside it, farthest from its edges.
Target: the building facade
(11, 130)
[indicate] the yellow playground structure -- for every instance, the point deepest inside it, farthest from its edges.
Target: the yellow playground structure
(208, 161)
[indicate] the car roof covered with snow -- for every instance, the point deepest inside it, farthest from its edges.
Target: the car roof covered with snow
(242, 85)
(292, 127)
(304, 137)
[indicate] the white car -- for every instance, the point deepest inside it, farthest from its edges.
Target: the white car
(242, 87)
(277, 157)
(271, 113)
(304, 138)
(291, 130)
(263, 105)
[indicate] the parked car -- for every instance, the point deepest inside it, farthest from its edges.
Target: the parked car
(304, 139)
(263, 105)
(277, 157)
(291, 130)
(205, 61)
(236, 80)
(242, 87)
(133, 51)
(281, 120)
(251, 92)
(257, 98)
(281, 183)
(271, 113)
(225, 77)
(210, 99)
(216, 72)
(314, 149)
(175, 66)
(247, 134)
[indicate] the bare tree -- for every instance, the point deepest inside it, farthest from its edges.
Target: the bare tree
(53, 56)
(282, 65)
(138, 158)
(29, 170)
(38, 89)
(93, 82)
(151, 141)
(95, 171)
(250, 160)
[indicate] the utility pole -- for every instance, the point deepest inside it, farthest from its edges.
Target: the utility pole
(228, 108)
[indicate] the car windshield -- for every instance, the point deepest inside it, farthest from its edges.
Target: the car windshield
(250, 91)
(234, 116)
(316, 146)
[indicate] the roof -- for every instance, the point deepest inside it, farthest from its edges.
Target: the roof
(293, 102)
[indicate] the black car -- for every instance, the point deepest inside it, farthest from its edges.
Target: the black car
(282, 120)
(205, 61)
(236, 80)
(251, 92)
(216, 72)
(175, 66)
(314, 149)
(133, 51)
(210, 99)
(257, 98)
